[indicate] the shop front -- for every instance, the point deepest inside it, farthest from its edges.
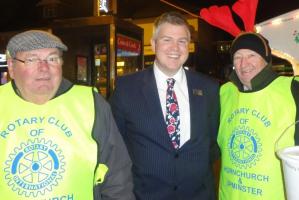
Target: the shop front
(100, 49)
(3, 70)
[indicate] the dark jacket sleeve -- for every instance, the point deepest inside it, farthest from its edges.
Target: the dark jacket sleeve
(295, 92)
(215, 117)
(118, 183)
(115, 101)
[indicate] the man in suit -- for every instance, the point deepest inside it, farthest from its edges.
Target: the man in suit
(170, 129)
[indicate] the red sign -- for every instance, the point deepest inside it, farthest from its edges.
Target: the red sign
(128, 44)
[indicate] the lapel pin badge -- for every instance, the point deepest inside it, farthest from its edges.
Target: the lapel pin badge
(197, 92)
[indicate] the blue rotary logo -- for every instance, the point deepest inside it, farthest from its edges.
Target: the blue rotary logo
(34, 168)
(244, 147)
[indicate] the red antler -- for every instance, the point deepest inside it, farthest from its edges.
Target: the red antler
(220, 17)
(246, 9)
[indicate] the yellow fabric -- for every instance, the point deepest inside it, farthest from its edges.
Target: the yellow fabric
(250, 125)
(47, 152)
(100, 174)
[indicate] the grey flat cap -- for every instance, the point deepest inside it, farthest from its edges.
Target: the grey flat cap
(33, 39)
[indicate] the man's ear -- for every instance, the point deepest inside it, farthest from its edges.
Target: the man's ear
(153, 45)
(10, 67)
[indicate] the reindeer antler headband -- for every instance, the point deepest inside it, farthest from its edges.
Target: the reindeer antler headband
(222, 18)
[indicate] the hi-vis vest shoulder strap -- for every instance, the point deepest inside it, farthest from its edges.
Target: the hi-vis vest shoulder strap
(250, 125)
(47, 151)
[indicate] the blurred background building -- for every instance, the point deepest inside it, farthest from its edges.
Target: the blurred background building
(110, 38)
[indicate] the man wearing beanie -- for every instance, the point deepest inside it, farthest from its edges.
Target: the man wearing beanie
(58, 140)
(256, 107)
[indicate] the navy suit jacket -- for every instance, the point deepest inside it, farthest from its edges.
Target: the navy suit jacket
(160, 172)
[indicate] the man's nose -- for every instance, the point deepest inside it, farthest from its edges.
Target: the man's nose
(175, 44)
(243, 61)
(43, 64)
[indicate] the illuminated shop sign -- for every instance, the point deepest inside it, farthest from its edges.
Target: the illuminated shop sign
(3, 62)
(127, 46)
(104, 5)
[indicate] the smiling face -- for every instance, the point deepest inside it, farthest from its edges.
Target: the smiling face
(170, 45)
(248, 64)
(37, 81)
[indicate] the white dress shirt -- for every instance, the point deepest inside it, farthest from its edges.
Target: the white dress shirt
(181, 91)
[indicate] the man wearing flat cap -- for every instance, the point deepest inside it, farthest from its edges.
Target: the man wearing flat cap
(257, 105)
(57, 140)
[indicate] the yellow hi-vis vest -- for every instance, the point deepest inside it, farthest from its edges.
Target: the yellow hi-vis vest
(47, 151)
(250, 125)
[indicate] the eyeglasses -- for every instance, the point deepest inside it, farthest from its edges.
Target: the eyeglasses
(51, 60)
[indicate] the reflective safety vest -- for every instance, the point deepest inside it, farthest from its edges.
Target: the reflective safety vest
(47, 151)
(250, 125)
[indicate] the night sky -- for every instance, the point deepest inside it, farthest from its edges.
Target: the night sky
(17, 12)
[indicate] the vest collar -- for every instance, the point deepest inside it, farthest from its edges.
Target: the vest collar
(259, 82)
(64, 86)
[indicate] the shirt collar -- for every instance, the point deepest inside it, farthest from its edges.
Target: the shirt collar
(161, 77)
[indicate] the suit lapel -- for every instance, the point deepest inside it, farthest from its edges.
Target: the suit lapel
(150, 93)
(195, 101)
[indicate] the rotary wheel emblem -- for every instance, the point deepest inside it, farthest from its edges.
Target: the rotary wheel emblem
(244, 147)
(34, 168)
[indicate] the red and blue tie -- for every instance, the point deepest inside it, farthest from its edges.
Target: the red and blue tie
(172, 114)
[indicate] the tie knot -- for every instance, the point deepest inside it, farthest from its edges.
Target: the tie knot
(170, 82)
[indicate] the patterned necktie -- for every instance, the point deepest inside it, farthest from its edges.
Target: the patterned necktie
(172, 114)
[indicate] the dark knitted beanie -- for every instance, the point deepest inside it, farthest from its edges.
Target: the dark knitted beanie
(254, 42)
